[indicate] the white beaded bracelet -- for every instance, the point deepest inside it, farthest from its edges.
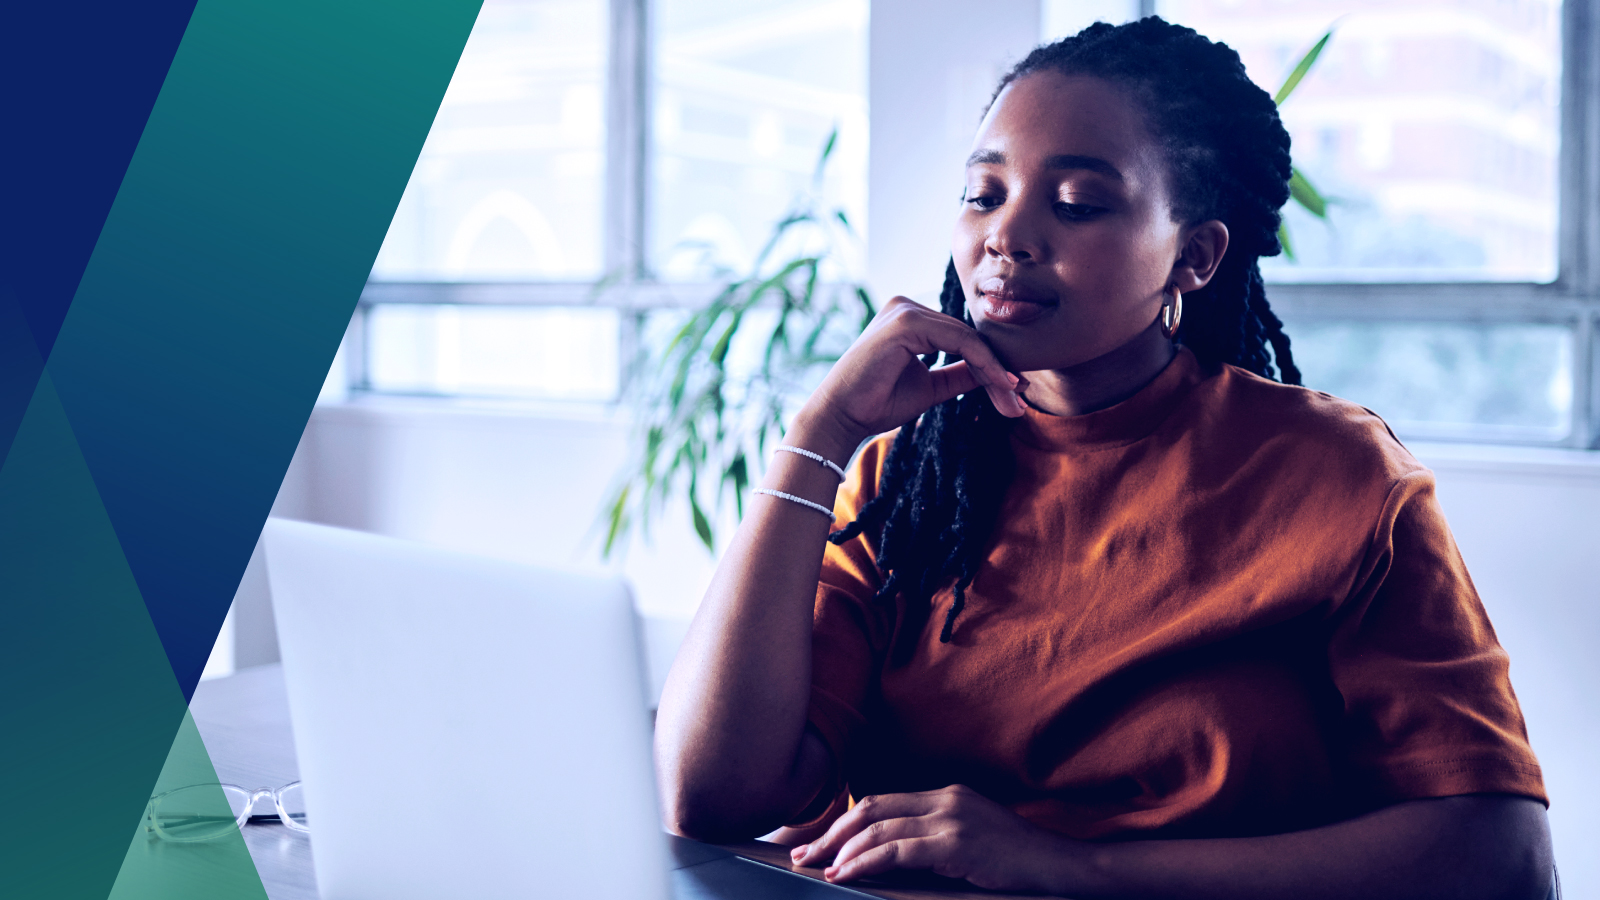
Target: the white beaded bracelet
(800, 500)
(816, 456)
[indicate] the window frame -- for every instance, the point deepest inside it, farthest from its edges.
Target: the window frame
(1572, 300)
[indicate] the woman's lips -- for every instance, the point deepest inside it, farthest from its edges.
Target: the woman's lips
(1010, 303)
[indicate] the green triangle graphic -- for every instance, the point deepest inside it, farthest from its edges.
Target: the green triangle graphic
(160, 869)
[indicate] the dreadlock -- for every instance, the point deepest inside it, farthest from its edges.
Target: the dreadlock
(946, 474)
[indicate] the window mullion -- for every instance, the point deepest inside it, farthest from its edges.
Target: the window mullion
(1428, 301)
(1580, 149)
(1580, 205)
(627, 138)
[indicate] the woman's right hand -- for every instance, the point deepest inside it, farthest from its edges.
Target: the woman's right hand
(880, 383)
(734, 756)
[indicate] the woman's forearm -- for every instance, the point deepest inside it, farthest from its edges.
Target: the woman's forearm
(1482, 846)
(731, 744)
(732, 750)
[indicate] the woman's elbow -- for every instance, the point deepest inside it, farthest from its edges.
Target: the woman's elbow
(1509, 854)
(714, 815)
(703, 803)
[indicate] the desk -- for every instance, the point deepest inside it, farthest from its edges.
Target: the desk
(244, 721)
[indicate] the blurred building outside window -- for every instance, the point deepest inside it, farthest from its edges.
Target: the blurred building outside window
(745, 94)
(1434, 128)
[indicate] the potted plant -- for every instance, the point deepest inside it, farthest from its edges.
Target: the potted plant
(715, 396)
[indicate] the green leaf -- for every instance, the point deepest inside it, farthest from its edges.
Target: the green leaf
(1301, 189)
(778, 338)
(702, 526)
(1301, 68)
(827, 151)
(618, 522)
(778, 231)
(739, 473)
(1283, 238)
(719, 351)
(809, 348)
(779, 278)
(868, 311)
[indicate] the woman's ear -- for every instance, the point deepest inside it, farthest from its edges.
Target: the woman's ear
(1200, 255)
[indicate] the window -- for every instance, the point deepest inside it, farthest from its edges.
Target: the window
(642, 145)
(1433, 127)
(1444, 290)
(1435, 130)
(509, 185)
(745, 94)
(648, 144)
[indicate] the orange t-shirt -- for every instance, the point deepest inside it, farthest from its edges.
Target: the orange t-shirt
(1223, 607)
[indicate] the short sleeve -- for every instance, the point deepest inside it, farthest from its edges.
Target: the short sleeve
(849, 631)
(1429, 710)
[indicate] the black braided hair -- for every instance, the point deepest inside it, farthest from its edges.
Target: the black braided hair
(946, 474)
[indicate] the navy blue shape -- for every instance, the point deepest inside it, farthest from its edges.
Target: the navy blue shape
(79, 80)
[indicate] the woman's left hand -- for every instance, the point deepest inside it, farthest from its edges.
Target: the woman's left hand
(955, 832)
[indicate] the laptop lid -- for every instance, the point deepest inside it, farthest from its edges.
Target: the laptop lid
(465, 727)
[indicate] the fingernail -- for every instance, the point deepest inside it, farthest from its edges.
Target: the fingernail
(799, 851)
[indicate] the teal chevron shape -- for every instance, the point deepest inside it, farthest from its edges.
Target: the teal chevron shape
(171, 403)
(228, 268)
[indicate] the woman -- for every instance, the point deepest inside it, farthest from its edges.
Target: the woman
(1118, 616)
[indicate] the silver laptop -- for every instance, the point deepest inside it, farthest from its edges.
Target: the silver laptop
(465, 727)
(473, 728)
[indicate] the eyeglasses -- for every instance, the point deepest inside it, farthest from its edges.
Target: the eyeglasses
(196, 813)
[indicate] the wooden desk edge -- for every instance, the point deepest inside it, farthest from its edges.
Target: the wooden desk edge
(777, 856)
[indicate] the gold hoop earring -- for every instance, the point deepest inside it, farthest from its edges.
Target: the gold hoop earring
(1171, 312)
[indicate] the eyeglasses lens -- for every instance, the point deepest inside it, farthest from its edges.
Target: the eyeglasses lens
(199, 813)
(293, 800)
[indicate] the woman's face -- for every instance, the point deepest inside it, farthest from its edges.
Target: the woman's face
(1066, 239)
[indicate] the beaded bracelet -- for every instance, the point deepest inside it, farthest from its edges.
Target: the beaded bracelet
(800, 500)
(816, 456)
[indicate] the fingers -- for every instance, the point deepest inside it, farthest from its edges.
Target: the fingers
(953, 380)
(932, 331)
(869, 810)
(920, 852)
(955, 832)
(958, 378)
(880, 833)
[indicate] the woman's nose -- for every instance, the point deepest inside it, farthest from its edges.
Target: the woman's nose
(1018, 234)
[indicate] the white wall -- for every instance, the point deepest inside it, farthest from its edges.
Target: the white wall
(1528, 524)
(933, 66)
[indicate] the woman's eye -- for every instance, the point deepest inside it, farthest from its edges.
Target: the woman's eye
(984, 201)
(1076, 210)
